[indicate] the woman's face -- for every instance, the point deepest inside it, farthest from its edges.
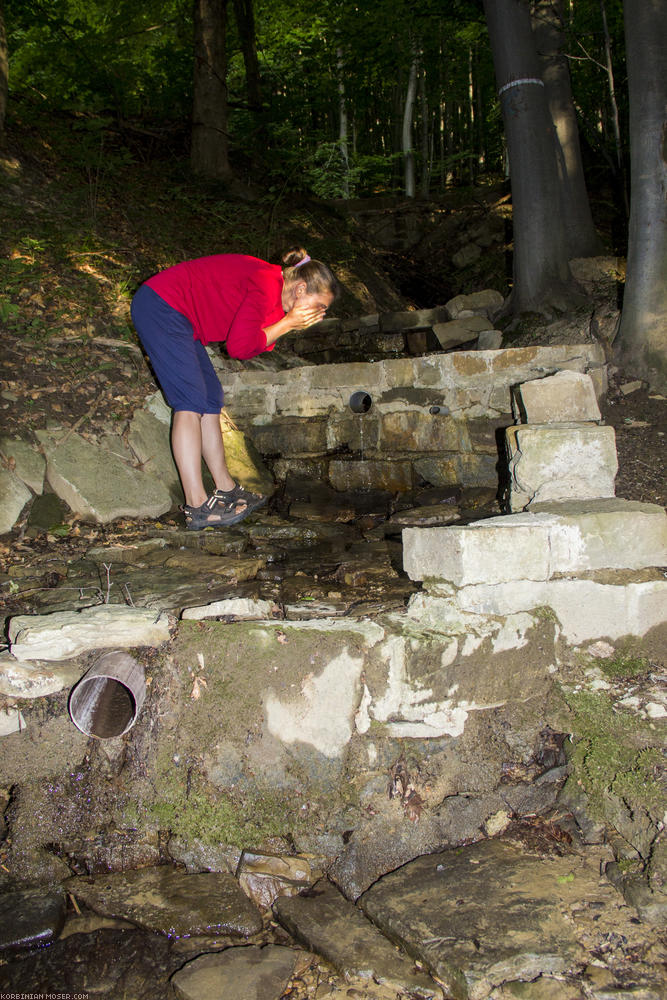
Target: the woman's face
(297, 292)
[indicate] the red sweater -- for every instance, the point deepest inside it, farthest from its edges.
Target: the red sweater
(227, 297)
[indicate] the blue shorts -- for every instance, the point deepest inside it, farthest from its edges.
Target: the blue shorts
(181, 364)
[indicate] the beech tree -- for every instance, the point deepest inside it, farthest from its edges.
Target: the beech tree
(548, 21)
(641, 343)
(542, 277)
(209, 154)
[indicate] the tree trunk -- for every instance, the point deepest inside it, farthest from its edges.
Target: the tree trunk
(4, 70)
(408, 111)
(582, 239)
(245, 22)
(209, 155)
(426, 137)
(542, 277)
(641, 343)
(342, 122)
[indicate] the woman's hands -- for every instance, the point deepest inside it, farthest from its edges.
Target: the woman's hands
(305, 313)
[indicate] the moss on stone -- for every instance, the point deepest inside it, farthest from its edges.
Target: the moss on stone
(612, 755)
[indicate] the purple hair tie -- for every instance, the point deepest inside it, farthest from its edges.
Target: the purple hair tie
(304, 260)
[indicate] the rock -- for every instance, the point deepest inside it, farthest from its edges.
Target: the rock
(651, 906)
(64, 634)
(126, 555)
(333, 927)
(418, 319)
(627, 388)
(244, 461)
(31, 918)
(570, 537)
(11, 721)
(98, 485)
(565, 396)
(165, 900)
(490, 340)
(486, 914)
(395, 477)
(15, 495)
(243, 973)
(487, 302)
(265, 877)
(25, 679)
(199, 564)
(560, 462)
(198, 856)
(425, 517)
(149, 439)
(460, 331)
(26, 462)
(238, 608)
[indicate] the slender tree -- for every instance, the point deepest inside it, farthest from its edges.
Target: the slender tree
(408, 112)
(548, 21)
(542, 278)
(4, 70)
(245, 22)
(641, 343)
(209, 154)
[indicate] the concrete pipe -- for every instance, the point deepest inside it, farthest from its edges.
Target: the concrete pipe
(360, 402)
(108, 698)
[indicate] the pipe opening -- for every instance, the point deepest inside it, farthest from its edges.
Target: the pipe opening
(107, 700)
(438, 409)
(360, 402)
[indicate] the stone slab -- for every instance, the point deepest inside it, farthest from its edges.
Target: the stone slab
(98, 485)
(559, 538)
(28, 463)
(586, 609)
(243, 973)
(336, 929)
(565, 396)
(417, 319)
(487, 301)
(30, 918)
(149, 439)
(244, 608)
(64, 634)
(560, 462)
(15, 495)
(34, 680)
(171, 902)
(486, 914)
(460, 331)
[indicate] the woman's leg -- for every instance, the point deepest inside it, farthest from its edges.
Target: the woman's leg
(213, 450)
(186, 443)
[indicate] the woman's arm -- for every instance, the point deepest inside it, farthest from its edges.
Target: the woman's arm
(300, 317)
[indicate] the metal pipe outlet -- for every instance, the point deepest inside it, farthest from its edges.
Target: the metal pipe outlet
(360, 402)
(108, 698)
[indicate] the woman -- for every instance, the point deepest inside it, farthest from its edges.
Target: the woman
(245, 302)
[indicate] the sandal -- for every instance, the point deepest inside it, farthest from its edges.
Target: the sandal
(216, 512)
(239, 494)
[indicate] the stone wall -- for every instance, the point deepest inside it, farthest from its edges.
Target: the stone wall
(433, 419)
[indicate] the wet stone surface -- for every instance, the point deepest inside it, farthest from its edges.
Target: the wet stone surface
(169, 902)
(32, 918)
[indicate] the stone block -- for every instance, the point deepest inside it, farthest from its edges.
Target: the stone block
(98, 485)
(490, 340)
(488, 302)
(356, 431)
(149, 439)
(15, 495)
(460, 331)
(563, 538)
(566, 396)
(487, 553)
(64, 634)
(355, 375)
(395, 477)
(290, 436)
(587, 609)
(440, 471)
(416, 430)
(560, 462)
(417, 319)
(26, 461)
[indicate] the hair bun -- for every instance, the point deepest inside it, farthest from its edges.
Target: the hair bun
(293, 256)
